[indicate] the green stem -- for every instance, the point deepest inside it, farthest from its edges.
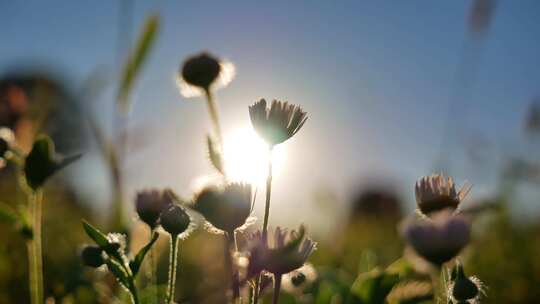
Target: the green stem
(133, 291)
(34, 248)
(438, 285)
(214, 116)
(266, 216)
(173, 259)
(153, 269)
(277, 288)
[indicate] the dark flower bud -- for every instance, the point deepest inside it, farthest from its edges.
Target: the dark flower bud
(92, 256)
(175, 220)
(464, 288)
(201, 70)
(150, 203)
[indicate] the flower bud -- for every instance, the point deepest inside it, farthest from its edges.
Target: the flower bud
(201, 70)
(150, 203)
(440, 239)
(92, 256)
(463, 288)
(175, 220)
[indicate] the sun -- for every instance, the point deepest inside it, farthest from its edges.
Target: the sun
(246, 157)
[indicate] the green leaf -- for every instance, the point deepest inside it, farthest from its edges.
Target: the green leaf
(135, 265)
(118, 272)
(372, 287)
(42, 162)
(96, 235)
(214, 153)
(136, 59)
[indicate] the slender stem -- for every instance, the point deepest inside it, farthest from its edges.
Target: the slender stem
(153, 268)
(277, 288)
(133, 291)
(34, 249)
(266, 216)
(256, 290)
(438, 286)
(229, 248)
(268, 194)
(214, 116)
(173, 259)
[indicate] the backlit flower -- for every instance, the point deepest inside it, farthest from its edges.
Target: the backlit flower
(437, 192)
(202, 72)
(225, 208)
(277, 123)
(282, 252)
(150, 203)
(438, 239)
(176, 221)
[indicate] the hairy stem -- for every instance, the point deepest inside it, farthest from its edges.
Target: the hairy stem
(437, 278)
(277, 288)
(173, 260)
(35, 258)
(153, 268)
(214, 116)
(266, 216)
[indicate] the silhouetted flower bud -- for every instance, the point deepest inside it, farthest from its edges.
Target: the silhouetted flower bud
(277, 123)
(436, 192)
(175, 220)
(201, 70)
(150, 203)
(462, 288)
(439, 239)
(92, 256)
(225, 208)
(280, 254)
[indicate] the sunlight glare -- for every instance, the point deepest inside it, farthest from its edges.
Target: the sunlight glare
(246, 157)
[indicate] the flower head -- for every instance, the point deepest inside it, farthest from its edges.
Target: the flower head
(150, 203)
(176, 221)
(437, 192)
(438, 239)
(277, 123)
(201, 72)
(92, 256)
(225, 208)
(284, 252)
(463, 289)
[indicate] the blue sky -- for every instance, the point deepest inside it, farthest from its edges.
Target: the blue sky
(376, 77)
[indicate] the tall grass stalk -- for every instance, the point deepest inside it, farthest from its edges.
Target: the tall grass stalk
(173, 260)
(35, 258)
